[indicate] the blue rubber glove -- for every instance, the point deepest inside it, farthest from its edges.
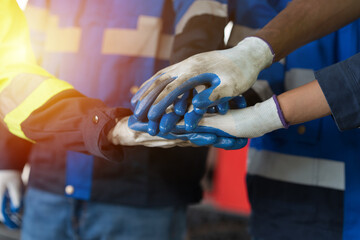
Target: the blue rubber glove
(169, 120)
(11, 198)
(131, 132)
(200, 139)
(197, 139)
(12, 215)
(250, 122)
(225, 74)
(192, 118)
(223, 139)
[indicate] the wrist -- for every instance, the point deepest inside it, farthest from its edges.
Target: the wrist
(257, 50)
(270, 115)
(280, 112)
(257, 120)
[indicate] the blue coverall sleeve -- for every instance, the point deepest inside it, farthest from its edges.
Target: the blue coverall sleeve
(340, 84)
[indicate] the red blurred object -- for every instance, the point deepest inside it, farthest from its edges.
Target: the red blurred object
(229, 187)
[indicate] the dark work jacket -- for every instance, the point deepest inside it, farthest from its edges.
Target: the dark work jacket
(97, 67)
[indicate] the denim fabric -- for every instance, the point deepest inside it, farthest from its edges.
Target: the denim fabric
(50, 216)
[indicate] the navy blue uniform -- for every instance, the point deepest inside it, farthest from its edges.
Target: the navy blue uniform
(300, 180)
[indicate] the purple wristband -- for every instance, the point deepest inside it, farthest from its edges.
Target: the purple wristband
(280, 113)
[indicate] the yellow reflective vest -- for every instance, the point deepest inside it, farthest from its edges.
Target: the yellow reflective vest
(36, 106)
(24, 86)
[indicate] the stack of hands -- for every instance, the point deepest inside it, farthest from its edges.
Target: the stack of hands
(198, 102)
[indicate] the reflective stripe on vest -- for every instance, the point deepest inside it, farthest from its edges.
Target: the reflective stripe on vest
(201, 7)
(24, 86)
(57, 39)
(140, 42)
(61, 39)
(297, 77)
(297, 169)
(38, 16)
(262, 89)
(144, 41)
(20, 102)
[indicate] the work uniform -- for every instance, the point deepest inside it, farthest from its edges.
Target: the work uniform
(35, 105)
(106, 51)
(13, 150)
(344, 104)
(296, 177)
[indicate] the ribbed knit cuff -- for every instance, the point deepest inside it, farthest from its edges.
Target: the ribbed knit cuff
(281, 115)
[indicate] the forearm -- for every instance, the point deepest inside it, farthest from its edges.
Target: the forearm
(303, 21)
(304, 103)
(14, 151)
(71, 121)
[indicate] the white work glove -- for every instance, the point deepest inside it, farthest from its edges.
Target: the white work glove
(121, 134)
(10, 189)
(248, 122)
(224, 73)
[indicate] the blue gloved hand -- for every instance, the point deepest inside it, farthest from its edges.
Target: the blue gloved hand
(12, 215)
(249, 122)
(170, 119)
(197, 139)
(122, 134)
(192, 118)
(180, 107)
(225, 74)
(10, 198)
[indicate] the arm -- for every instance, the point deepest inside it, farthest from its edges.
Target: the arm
(14, 154)
(231, 72)
(304, 103)
(14, 151)
(40, 108)
(336, 92)
(303, 21)
(340, 84)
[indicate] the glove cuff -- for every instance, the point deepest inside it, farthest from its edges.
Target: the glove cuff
(270, 47)
(279, 111)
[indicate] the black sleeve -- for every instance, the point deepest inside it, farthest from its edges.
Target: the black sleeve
(14, 151)
(74, 122)
(201, 34)
(340, 84)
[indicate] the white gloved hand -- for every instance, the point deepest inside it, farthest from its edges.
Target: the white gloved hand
(248, 122)
(121, 134)
(10, 180)
(225, 73)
